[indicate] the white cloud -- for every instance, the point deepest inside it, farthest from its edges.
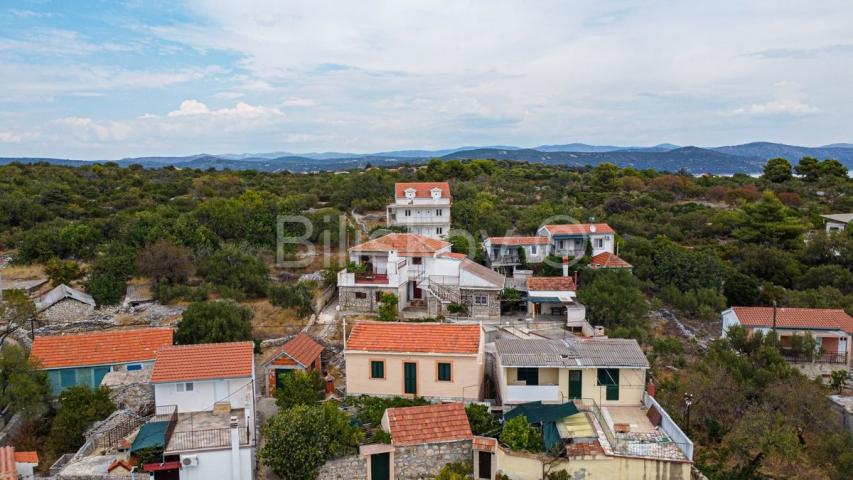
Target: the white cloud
(242, 109)
(788, 101)
(87, 129)
(10, 137)
(298, 102)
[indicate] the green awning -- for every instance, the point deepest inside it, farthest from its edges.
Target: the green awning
(152, 434)
(547, 415)
(544, 300)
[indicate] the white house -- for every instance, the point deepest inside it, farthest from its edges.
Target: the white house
(205, 411)
(423, 273)
(422, 208)
(503, 253)
(571, 239)
(837, 222)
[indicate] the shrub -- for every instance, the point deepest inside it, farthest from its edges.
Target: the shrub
(482, 421)
(62, 271)
(388, 309)
(298, 296)
(79, 406)
(456, 471)
(234, 268)
(214, 322)
(371, 409)
(300, 388)
(165, 262)
(517, 434)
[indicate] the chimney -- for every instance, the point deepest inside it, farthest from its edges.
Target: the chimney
(235, 449)
(330, 385)
(565, 266)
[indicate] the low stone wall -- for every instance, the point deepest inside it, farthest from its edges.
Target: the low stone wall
(423, 462)
(353, 467)
(66, 311)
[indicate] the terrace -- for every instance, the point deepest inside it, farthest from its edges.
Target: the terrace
(207, 430)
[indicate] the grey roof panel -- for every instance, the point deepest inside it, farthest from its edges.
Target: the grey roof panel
(570, 353)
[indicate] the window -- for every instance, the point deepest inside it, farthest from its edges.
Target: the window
(599, 243)
(438, 212)
(185, 387)
(530, 376)
(533, 249)
(407, 213)
(134, 367)
(609, 378)
(439, 231)
(445, 373)
(361, 295)
(562, 244)
(481, 299)
(417, 260)
(377, 369)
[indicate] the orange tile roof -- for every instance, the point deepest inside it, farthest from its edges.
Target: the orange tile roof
(514, 241)
(579, 229)
(422, 189)
(608, 260)
(27, 457)
(551, 284)
(8, 471)
(100, 348)
(428, 424)
(301, 348)
(203, 362)
(484, 444)
(457, 256)
(805, 318)
(415, 338)
(403, 243)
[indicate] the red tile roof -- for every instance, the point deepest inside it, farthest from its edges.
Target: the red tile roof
(551, 284)
(403, 243)
(484, 444)
(428, 424)
(7, 464)
(204, 362)
(27, 457)
(805, 318)
(513, 241)
(457, 256)
(608, 260)
(301, 348)
(100, 348)
(579, 229)
(415, 338)
(422, 189)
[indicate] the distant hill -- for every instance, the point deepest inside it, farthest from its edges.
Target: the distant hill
(746, 158)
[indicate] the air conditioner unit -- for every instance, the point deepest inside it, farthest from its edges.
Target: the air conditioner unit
(189, 461)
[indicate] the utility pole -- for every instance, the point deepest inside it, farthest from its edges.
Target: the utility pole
(688, 401)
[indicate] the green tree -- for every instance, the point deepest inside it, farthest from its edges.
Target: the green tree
(456, 471)
(214, 322)
(769, 222)
(741, 289)
(105, 287)
(613, 298)
(809, 169)
(300, 388)
(62, 271)
(517, 434)
(16, 309)
(777, 170)
(388, 307)
(234, 268)
(165, 262)
(23, 387)
(833, 168)
(481, 420)
(300, 439)
(79, 406)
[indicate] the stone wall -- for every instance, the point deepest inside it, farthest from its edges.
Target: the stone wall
(66, 311)
(348, 301)
(491, 311)
(423, 462)
(353, 467)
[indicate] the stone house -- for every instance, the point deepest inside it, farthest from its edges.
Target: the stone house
(64, 304)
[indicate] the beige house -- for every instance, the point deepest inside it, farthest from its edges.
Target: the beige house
(439, 361)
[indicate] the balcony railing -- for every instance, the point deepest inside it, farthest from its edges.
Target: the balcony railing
(825, 357)
(210, 438)
(508, 259)
(372, 278)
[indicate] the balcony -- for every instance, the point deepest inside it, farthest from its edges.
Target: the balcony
(839, 358)
(532, 393)
(350, 279)
(508, 259)
(207, 430)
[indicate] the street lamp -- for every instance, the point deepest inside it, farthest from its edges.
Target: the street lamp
(688, 400)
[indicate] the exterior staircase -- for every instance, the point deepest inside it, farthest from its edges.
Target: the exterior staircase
(445, 294)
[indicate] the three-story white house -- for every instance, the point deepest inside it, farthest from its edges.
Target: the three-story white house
(422, 208)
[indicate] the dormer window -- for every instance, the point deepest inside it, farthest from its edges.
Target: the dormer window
(410, 193)
(436, 193)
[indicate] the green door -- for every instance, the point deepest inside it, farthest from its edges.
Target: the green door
(100, 373)
(410, 378)
(379, 466)
(575, 383)
(609, 378)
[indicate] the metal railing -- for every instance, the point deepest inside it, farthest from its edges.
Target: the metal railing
(209, 438)
(805, 357)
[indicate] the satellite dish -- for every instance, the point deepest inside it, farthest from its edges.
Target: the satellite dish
(592, 229)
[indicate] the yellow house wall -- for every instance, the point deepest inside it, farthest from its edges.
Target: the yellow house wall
(530, 467)
(631, 386)
(547, 376)
(467, 375)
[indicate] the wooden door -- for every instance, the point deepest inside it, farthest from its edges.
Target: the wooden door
(410, 378)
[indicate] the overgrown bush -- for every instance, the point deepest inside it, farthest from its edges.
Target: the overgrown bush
(517, 434)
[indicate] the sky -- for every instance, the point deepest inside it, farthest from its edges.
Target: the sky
(115, 79)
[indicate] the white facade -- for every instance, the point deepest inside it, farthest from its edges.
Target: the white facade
(202, 395)
(499, 255)
(217, 464)
(575, 245)
(428, 216)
